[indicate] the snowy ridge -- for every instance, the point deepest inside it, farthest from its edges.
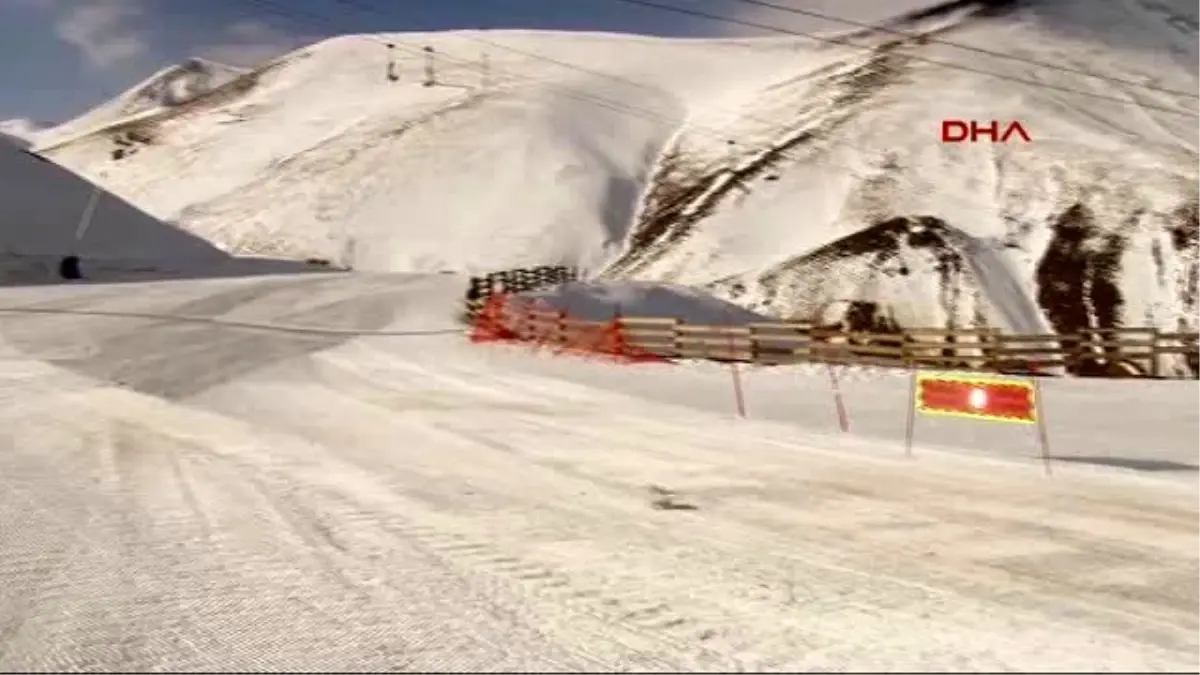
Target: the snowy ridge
(169, 88)
(792, 178)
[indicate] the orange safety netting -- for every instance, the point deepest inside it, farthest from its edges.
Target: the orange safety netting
(506, 319)
(491, 324)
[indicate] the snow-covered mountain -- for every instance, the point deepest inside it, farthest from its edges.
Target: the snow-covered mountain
(169, 88)
(796, 177)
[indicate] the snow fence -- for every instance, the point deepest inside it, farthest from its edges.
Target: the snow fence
(514, 318)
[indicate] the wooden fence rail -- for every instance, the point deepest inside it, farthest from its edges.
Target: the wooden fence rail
(480, 289)
(1122, 352)
(1128, 352)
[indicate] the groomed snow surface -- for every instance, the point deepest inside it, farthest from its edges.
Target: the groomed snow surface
(250, 486)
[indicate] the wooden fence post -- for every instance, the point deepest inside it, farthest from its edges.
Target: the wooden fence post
(1155, 366)
(561, 328)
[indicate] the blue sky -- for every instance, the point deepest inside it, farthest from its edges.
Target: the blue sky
(63, 56)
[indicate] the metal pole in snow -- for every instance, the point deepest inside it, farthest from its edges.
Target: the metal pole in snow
(912, 414)
(1039, 409)
(739, 396)
(838, 401)
(85, 219)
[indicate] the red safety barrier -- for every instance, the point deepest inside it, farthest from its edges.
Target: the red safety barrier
(505, 318)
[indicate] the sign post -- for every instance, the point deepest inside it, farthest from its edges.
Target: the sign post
(977, 397)
(838, 401)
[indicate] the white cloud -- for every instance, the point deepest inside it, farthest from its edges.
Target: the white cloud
(850, 11)
(249, 42)
(103, 30)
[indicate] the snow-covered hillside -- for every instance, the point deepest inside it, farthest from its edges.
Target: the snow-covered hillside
(43, 209)
(796, 177)
(167, 89)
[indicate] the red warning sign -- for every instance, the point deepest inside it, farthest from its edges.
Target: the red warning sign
(976, 397)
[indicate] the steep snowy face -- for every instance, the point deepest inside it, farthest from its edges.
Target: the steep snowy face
(797, 178)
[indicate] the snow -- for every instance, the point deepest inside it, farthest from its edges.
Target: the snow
(240, 494)
(397, 158)
(320, 471)
(43, 205)
(168, 88)
(599, 301)
(548, 148)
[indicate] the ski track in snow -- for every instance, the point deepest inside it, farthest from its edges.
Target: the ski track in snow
(391, 503)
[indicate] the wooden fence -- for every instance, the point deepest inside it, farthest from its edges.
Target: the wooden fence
(1116, 352)
(480, 289)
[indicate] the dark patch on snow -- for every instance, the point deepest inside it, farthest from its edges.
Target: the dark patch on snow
(883, 243)
(1137, 464)
(1185, 236)
(1077, 279)
(864, 316)
(183, 83)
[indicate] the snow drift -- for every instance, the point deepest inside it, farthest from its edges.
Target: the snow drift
(795, 178)
(599, 301)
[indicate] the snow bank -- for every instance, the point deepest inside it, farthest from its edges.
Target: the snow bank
(41, 205)
(597, 301)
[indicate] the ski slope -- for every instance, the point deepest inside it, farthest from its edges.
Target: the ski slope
(242, 483)
(790, 175)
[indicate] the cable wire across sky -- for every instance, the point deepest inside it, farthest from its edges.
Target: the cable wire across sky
(364, 7)
(845, 42)
(618, 106)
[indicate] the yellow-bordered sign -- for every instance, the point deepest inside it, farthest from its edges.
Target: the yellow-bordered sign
(976, 397)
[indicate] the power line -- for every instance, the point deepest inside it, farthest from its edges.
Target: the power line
(575, 94)
(965, 47)
(627, 109)
(942, 64)
(363, 7)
